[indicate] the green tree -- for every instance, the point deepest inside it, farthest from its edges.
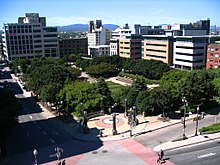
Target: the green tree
(196, 87)
(145, 102)
(163, 98)
(173, 76)
(80, 92)
(102, 70)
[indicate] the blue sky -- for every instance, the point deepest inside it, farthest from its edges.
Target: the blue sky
(144, 12)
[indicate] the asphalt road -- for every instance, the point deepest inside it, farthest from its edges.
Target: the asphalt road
(203, 154)
(33, 130)
(36, 131)
(152, 139)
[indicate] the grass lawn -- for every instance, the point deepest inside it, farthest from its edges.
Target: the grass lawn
(114, 86)
(211, 128)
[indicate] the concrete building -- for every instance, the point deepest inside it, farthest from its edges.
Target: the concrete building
(157, 47)
(116, 35)
(30, 38)
(100, 50)
(130, 46)
(73, 46)
(213, 56)
(98, 36)
(201, 27)
(190, 51)
(148, 30)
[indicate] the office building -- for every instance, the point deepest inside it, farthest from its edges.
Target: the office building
(29, 38)
(190, 51)
(73, 46)
(98, 36)
(130, 46)
(117, 34)
(148, 30)
(157, 47)
(213, 55)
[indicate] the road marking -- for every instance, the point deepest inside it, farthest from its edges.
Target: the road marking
(52, 140)
(28, 135)
(22, 126)
(206, 155)
(53, 155)
(44, 133)
(31, 117)
(38, 127)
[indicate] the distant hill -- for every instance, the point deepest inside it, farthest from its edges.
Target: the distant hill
(82, 27)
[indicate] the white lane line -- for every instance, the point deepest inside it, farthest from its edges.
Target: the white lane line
(31, 117)
(206, 155)
(44, 133)
(22, 126)
(28, 135)
(38, 127)
(52, 140)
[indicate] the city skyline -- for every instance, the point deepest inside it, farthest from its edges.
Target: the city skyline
(145, 12)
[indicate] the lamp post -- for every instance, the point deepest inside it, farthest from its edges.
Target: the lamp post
(184, 117)
(35, 152)
(134, 115)
(102, 111)
(81, 108)
(126, 113)
(114, 131)
(58, 151)
(197, 121)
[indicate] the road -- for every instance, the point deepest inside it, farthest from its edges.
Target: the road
(37, 131)
(206, 153)
(152, 139)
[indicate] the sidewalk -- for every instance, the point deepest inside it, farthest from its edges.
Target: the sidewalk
(193, 140)
(145, 125)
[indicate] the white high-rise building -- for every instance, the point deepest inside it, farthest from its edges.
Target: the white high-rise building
(98, 39)
(189, 52)
(116, 35)
(29, 38)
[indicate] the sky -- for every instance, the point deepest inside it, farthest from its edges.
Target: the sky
(119, 12)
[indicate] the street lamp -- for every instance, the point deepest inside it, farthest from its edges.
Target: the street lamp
(102, 111)
(197, 121)
(35, 152)
(81, 108)
(58, 151)
(126, 113)
(184, 117)
(134, 114)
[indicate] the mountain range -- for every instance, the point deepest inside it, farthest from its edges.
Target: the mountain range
(82, 27)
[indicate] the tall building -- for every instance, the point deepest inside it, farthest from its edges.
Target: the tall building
(30, 38)
(73, 46)
(157, 47)
(213, 55)
(130, 46)
(148, 30)
(189, 52)
(98, 36)
(201, 27)
(116, 35)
